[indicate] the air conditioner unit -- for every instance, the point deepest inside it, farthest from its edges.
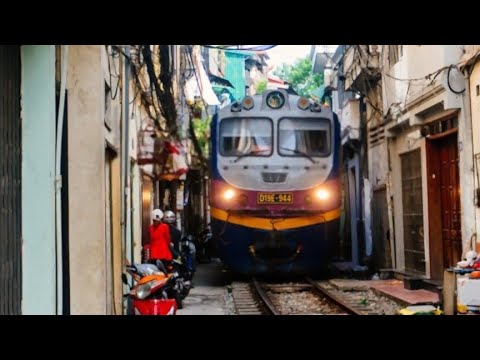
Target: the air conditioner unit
(351, 118)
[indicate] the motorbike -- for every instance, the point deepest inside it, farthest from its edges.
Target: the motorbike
(204, 246)
(151, 293)
(188, 253)
(183, 266)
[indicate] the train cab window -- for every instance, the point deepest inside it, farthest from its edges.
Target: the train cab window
(304, 137)
(242, 136)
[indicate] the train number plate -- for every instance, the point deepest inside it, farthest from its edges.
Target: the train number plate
(275, 198)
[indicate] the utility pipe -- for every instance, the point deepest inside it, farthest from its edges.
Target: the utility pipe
(58, 182)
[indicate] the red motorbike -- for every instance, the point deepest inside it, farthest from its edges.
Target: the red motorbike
(149, 295)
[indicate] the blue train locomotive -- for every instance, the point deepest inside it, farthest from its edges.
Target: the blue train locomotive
(275, 190)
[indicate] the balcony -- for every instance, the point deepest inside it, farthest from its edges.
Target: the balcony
(361, 67)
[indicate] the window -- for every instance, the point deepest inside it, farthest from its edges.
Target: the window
(240, 136)
(299, 137)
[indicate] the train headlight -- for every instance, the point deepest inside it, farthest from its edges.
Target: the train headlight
(275, 100)
(322, 194)
(229, 194)
(248, 103)
(303, 103)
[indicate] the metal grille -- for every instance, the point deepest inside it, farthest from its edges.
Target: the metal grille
(10, 181)
(269, 177)
(413, 212)
(376, 135)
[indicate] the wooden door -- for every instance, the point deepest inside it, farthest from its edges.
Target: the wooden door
(444, 203)
(450, 201)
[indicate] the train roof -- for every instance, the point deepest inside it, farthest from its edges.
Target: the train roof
(275, 100)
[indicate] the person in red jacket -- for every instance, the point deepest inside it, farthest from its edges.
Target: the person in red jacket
(159, 235)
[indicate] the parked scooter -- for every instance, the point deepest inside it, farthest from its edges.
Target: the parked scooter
(188, 253)
(150, 294)
(183, 265)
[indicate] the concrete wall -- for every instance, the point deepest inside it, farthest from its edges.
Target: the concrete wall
(378, 164)
(417, 62)
(466, 171)
(136, 213)
(112, 73)
(38, 179)
(86, 180)
(377, 153)
(135, 181)
(475, 114)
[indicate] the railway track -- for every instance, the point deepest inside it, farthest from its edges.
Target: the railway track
(342, 299)
(246, 300)
(302, 298)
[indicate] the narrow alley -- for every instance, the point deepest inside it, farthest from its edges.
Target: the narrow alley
(239, 179)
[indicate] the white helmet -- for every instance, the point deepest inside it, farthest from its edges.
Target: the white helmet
(157, 215)
(169, 217)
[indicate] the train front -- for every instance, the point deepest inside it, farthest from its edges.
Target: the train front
(275, 193)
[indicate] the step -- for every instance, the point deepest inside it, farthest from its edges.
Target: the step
(433, 285)
(411, 280)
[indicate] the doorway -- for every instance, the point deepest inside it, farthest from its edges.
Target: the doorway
(444, 202)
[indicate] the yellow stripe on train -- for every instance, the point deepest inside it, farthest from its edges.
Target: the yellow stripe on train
(278, 223)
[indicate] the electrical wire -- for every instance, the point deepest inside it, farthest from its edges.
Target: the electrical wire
(431, 77)
(197, 80)
(255, 48)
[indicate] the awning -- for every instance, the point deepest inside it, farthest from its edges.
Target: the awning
(217, 80)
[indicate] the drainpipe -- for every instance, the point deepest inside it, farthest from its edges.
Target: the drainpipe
(128, 193)
(58, 182)
(125, 162)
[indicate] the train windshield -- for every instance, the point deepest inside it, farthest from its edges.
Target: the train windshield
(304, 137)
(246, 136)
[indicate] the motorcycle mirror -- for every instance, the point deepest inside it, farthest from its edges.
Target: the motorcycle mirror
(124, 279)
